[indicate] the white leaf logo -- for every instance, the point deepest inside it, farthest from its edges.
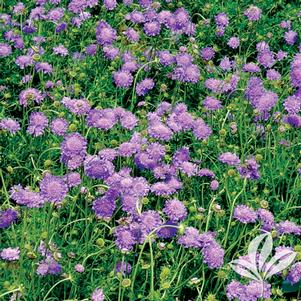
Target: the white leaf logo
(255, 266)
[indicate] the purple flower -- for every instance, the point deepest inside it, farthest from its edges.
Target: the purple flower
(7, 217)
(132, 35)
(150, 220)
(266, 218)
(288, 227)
(249, 169)
(123, 267)
(59, 126)
(44, 67)
(10, 254)
(214, 185)
(245, 214)
(266, 58)
(165, 58)
(272, 74)
(221, 19)
(167, 230)
(207, 53)
(292, 105)
(201, 130)
(79, 268)
(290, 37)
(5, 50)
(30, 94)
(294, 274)
(229, 158)
(190, 239)
(53, 188)
(91, 49)
(102, 119)
(60, 50)
(76, 106)
(175, 210)
(110, 4)
(253, 13)
(37, 124)
(98, 295)
(123, 79)
(24, 60)
(26, 197)
(10, 125)
(213, 255)
(125, 239)
(144, 86)
(233, 42)
(251, 67)
(152, 28)
(187, 74)
(72, 179)
(97, 168)
(212, 104)
(105, 34)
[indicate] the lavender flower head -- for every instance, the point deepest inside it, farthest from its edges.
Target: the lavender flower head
(10, 254)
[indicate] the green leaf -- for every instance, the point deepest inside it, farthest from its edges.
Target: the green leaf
(289, 288)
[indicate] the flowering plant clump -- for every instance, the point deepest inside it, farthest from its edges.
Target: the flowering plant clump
(150, 150)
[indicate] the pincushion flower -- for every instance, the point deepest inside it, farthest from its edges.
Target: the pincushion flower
(53, 188)
(10, 254)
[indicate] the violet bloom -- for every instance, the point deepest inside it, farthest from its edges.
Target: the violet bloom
(79, 268)
(10, 125)
(132, 35)
(187, 74)
(214, 185)
(53, 188)
(26, 197)
(266, 58)
(123, 267)
(76, 106)
(72, 179)
(24, 61)
(59, 126)
(272, 74)
(10, 254)
(44, 67)
(97, 168)
(233, 42)
(190, 239)
(98, 295)
(37, 124)
(29, 95)
(7, 217)
(294, 274)
(249, 169)
(229, 158)
(144, 86)
(91, 49)
(221, 19)
(60, 50)
(175, 210)
(123, 79)
(290, 37)
(152, 28)
(251, 67)
(245, 214)
(110, 4)
(253, 13)
(5, 50)
(212, 104)
(105, 34)
(207, 53)
(73, 150)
